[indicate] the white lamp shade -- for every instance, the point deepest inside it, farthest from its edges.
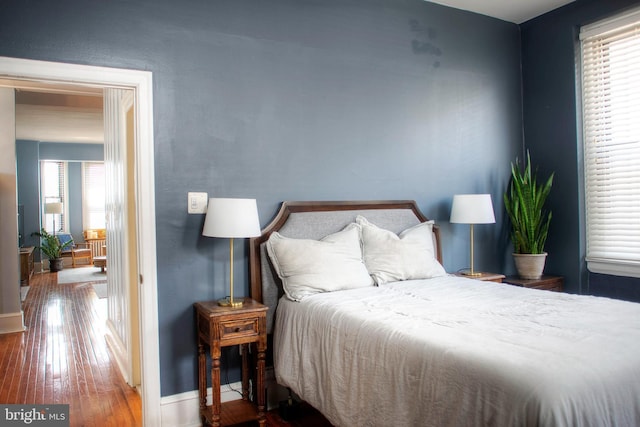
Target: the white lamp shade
(53, 208)
(229, 218)
(472, 209)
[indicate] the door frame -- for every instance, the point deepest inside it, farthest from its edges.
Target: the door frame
(142, 85)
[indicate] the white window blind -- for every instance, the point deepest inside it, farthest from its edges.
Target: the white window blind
(53, 185)
(93, 195)
(611, 119)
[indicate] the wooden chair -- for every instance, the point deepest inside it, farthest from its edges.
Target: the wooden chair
(75, 250)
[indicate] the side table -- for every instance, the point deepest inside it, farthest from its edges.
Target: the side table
(219, 327)
(26, 265)
(550, 283)
(100, 261)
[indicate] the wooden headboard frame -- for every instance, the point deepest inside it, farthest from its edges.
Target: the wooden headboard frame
(287, 208)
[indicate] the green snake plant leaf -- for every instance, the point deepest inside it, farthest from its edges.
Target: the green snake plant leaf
(524, 202)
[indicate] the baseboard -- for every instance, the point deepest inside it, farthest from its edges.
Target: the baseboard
(12, 322)
(183, 410)
(118, 350)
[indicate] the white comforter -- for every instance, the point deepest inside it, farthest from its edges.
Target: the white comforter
(451, 351)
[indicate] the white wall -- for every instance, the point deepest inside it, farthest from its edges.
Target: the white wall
(10, 306)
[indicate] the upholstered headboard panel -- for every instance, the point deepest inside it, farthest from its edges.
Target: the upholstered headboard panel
(314, 220)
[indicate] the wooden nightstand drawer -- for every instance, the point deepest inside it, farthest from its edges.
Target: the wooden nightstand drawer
(233, 329)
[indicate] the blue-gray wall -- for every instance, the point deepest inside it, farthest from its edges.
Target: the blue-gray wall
(28, 182)
(297, 100)
(550, 49)
(28, 156)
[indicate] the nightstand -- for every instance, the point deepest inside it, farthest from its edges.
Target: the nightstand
(226, 326)
(486, 277)
(550, 283)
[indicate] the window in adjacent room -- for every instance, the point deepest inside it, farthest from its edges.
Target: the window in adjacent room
(93, 195)
(611, 136)
(53, 175)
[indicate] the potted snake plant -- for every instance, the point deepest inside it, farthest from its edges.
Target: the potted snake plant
(52, 249)
(524, 202)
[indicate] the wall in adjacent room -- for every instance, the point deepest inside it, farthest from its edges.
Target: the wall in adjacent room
(28, 156)
(297, 100)
(28, 183)
(550, 49)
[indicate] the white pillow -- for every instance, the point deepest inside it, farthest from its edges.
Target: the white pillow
(391, 258)
(308, 266)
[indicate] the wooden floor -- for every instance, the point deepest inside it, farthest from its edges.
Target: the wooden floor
(63, 357)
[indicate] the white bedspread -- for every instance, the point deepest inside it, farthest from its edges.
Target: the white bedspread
(451, 351)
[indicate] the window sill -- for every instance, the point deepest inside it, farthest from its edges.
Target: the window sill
(614, 267)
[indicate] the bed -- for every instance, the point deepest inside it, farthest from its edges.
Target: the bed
(435, 351)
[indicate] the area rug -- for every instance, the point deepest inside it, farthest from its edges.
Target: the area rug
(101, 289)
(81, 274)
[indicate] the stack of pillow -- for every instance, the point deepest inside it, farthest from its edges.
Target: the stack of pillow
(360, 255)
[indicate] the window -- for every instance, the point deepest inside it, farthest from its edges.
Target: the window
(53, 184)
(93, 195)
(611, 130)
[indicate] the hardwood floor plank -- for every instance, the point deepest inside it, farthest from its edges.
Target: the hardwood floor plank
(63, 357)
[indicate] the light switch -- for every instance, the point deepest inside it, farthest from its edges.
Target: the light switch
(197, 203)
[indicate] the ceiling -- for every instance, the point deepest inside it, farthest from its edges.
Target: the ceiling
(57, 112)
(517, 11)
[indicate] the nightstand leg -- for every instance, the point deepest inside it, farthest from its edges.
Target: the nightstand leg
(215, 390)
(245, 371)
(202, 381)
(260, 388)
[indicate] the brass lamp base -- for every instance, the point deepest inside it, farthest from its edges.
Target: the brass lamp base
(471, 273)
(228, 302)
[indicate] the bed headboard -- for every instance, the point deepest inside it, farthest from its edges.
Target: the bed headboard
(314, 220)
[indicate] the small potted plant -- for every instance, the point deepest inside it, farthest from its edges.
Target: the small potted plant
(52, 249)
(524, 201)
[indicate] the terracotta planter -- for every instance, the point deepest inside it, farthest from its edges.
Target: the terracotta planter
(530, 266)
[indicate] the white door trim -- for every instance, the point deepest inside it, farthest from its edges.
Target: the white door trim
(141, 83)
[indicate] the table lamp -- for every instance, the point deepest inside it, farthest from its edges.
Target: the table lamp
(54, 208)
(231, 218)
(472, 209)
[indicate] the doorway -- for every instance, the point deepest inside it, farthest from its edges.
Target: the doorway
(22, 71)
